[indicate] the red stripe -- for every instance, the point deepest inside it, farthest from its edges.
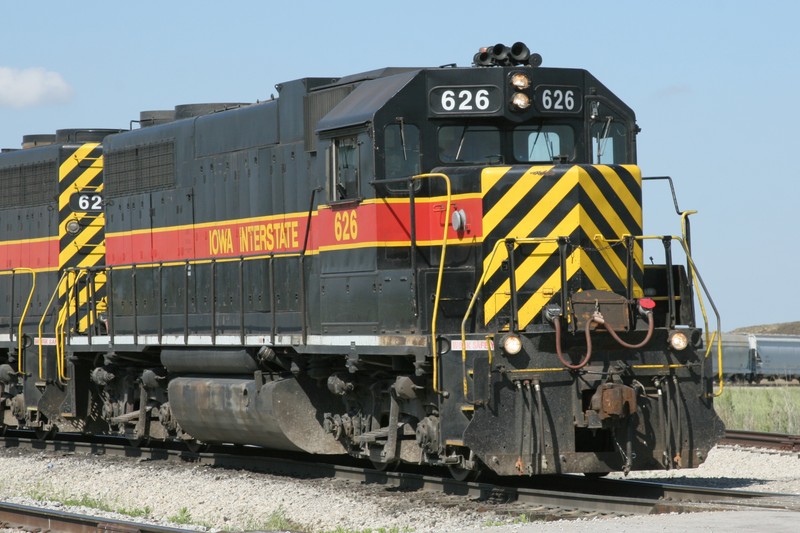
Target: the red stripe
(37, 254)
(338, 226)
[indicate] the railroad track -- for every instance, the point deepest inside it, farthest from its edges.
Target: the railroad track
(753, 439)
(27, 518)
(539, 498)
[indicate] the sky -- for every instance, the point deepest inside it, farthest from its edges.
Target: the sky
(712, 83)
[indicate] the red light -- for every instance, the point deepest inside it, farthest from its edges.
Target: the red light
(647, 303)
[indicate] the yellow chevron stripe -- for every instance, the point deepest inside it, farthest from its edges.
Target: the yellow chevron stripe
(610, 257)
(578, 260)
(526, 270)
(79, 155)
(530, 309)
(490, 177)
(538, 213)
(80, 240)
(81, 182)
(510, 199)
(633, 206)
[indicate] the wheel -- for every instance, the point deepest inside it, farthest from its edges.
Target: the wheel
(463, 474)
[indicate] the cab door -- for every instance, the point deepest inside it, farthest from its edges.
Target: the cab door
(348, 281)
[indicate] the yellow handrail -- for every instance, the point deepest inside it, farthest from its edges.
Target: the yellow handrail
(41, 323)
(476, 292)
(700, 289)
(63, 318)
(434, 349)
(20, 365)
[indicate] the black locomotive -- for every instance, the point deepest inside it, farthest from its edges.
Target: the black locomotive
(439, 266)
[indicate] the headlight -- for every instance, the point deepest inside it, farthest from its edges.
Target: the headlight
(678, 340)
(520, 81)
(520, 101)
(512, 344)
(73, 227)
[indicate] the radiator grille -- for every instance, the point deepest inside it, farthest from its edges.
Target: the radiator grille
(147, 167)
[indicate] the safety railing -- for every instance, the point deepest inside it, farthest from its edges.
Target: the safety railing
(18, 333)
(700, 289)
(84, 306)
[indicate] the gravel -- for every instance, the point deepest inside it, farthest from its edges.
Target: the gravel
(219, 499)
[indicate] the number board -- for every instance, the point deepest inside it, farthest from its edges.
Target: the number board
(86, 202)
(466, 100)
(558, 99)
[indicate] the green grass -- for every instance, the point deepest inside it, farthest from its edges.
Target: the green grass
(37, 493)
(277, 521)
(183, 516)
(769, 409)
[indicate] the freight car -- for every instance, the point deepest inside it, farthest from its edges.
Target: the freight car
(754, 358)
(439, 266)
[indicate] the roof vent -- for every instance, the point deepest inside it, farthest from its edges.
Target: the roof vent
(32, 141)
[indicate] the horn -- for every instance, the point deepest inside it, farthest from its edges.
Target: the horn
(520, 53)
(500, 53)
(482, 58)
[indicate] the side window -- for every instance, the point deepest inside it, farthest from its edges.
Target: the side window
(610, 143)
(545, 143)
(345, 169)
(401, 151)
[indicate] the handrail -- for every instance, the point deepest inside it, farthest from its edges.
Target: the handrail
(186, 264)
(477, 291)
(434, 348)
(41, 323)
(699, 284)
(61, 324)
(20, 365)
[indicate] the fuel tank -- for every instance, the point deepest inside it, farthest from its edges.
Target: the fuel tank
(283, 414)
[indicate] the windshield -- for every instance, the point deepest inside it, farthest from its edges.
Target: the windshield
(469, 144)
(544, 143)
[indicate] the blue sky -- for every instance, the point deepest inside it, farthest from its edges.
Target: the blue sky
(712, 84)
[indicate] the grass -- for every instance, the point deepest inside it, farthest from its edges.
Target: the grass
(88, 502)
(768, 409)
(183, 516)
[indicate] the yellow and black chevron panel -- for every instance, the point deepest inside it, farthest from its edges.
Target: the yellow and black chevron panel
(81, 232)
(589, 209)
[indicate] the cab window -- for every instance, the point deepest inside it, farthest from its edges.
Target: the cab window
(609, 133)
(345, 168)
(401, 151)
(469, 144)
(544, 143)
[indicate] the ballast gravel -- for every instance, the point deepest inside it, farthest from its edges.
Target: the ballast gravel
(212, 499)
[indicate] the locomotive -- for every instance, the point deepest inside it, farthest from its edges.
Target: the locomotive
(438, 266)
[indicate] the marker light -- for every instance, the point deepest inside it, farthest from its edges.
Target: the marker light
(520, 81)
(512, 344)
(678, 340)
(520, 101)
(73, 227)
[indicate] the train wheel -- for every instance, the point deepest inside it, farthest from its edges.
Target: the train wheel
(463, 474)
